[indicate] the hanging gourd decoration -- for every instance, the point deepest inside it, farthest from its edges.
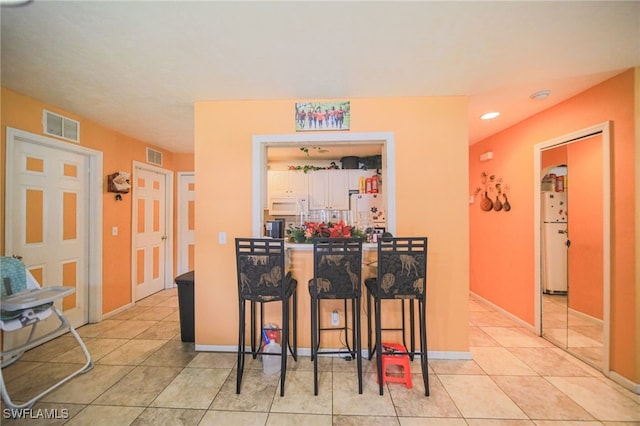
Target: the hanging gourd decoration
(506, 206)
(497, 205)
(485, 203)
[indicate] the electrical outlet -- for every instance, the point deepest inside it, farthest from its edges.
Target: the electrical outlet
(335, 318)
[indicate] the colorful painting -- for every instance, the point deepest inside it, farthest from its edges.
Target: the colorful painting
(318, 116)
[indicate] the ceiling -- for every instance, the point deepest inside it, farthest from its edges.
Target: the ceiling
(139, 66)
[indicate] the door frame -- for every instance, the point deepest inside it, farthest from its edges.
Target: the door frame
(605, 130)
(168, 218)
(259, 146)
(94, 199)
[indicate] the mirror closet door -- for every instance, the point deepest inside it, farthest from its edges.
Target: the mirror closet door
(572, 317)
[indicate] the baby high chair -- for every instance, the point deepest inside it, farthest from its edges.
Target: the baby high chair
(24, 305)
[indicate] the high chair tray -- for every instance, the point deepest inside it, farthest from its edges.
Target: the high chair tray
(30, 298)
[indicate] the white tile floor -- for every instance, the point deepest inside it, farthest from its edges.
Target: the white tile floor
(144, 374)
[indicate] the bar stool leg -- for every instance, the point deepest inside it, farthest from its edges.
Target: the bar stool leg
(379, 344)
(370, 343)
(283, 350)
(358, 342)
(424, 362)
(294, 302)
(241, 348)
(314, 342)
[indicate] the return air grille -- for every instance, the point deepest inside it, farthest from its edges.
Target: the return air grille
(154, 157)
(62, 127)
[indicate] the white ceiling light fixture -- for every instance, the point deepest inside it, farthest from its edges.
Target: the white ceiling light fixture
(540, 95)
(489, 115)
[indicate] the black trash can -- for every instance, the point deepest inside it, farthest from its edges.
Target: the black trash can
(185, 283)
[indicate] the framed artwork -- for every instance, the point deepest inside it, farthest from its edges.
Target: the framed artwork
(319, 116)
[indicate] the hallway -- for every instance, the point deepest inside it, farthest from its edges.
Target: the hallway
(144, 374)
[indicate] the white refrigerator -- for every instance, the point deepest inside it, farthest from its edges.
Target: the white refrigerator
(554, 242)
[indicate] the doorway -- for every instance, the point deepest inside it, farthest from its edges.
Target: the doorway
(576, 317)
(152, 267)
(186, 222)
(54, 217)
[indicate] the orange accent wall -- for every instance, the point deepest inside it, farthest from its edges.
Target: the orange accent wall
(501, 259)
(119, 152)
(431, 152)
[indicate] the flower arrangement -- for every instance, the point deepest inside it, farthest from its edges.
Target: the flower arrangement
(310, 230)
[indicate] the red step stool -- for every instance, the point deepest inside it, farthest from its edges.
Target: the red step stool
(389, 357)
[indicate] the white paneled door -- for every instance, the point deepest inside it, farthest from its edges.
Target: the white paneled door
(186, 221)
(149, 231)
(47, 219)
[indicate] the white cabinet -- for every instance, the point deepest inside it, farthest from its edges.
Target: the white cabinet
(329, 189)
(287, 182)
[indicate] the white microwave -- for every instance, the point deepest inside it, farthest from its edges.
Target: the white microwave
(288, 204)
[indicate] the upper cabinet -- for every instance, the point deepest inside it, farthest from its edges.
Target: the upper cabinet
(329, 189)
(287, 182)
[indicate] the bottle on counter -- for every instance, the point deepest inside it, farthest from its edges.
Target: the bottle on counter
(374, 184)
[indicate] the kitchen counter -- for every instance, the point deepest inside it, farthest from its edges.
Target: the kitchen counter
(309, 247)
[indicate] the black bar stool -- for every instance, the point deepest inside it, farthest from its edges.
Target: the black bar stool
(262, 279)
(337, 274)
(402, 274)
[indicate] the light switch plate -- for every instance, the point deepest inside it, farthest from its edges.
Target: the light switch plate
(222, 238)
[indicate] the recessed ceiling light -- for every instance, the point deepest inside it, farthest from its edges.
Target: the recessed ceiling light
(489, 115)
(540, 95)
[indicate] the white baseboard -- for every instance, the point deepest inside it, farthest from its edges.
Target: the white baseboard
(505, 313)
(624, 382)
(447, 355)
(117, 311)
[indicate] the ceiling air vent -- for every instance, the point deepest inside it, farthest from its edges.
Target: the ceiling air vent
(62, 127)
(154, 157)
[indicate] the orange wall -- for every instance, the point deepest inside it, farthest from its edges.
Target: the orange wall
(501, 262)
(431, 147)
(119, 152)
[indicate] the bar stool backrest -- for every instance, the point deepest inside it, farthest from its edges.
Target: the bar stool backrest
(261, 269)
(337, 268)
(402, 267)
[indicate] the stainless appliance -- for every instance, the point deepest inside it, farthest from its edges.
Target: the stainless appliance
(275, 228)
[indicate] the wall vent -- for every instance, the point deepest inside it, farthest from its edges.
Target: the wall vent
(154, 157)
(62, 127)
